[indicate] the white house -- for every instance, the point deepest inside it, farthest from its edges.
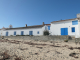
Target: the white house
(66, 27)
(27, 30)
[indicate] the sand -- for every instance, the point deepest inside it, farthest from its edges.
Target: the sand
(38, 50)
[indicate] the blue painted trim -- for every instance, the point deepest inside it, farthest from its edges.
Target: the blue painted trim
(75, 22)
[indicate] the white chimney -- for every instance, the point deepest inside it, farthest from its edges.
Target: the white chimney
(78, 15)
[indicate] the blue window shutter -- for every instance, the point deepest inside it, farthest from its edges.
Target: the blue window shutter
(14, 33)
(73, 29)
(38, 32)
(48, 27)
(75, 22)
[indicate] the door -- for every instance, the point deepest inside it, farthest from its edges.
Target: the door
(22, 32)
(30, 32)
(14, 33)
(64, 31)
(6, 33)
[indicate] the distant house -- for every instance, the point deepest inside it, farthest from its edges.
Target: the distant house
(27, 30)
(66, 27)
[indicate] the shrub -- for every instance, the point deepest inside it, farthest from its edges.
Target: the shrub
(45, 32)
(65, 40)
(27, 35)
(17, 35)
(11, 35)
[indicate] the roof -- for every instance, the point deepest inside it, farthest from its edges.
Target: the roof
(35, 26)
(64, 20)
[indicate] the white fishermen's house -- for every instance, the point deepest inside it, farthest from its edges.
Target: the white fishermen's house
(27, 30)
(66, 27)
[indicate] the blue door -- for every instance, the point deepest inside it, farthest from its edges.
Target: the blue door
(14, 33)
(6, 33)
(30, 32)
(64, 31)
(22, 33)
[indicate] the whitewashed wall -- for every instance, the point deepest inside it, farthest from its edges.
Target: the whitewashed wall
(26, 31)
(56, 28)
(79, 27)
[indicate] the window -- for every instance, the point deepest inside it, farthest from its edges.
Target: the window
(15, 33)
(45, 28)
(38, 32)
(73, 29)
(48, 27)
(75, 22)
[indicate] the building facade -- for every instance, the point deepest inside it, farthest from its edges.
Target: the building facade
(66, 27)
(62, 27)
(27, 30)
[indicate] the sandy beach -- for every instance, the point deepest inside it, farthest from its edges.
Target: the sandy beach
(38, 50)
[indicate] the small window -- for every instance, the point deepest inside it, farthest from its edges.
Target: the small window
(38, 32)
(45, 28)
(73, 29)
(48, 27)
(75, 22)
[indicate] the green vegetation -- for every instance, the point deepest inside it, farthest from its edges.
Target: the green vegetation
(65, 40)
(45, 32)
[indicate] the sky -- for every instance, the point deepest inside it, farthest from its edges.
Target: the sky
(34, 12)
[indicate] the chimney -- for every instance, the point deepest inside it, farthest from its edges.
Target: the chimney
(43, 23)
(10, 26)
(78, 15)
(26, 25)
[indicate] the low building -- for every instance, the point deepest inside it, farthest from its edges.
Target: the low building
(27, 30)
(66, 27)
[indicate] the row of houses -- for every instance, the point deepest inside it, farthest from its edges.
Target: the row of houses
(27, 30)
(62, 27)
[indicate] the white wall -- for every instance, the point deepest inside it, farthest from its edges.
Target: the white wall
(56, 28)
(26, 31)
(79, 27)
